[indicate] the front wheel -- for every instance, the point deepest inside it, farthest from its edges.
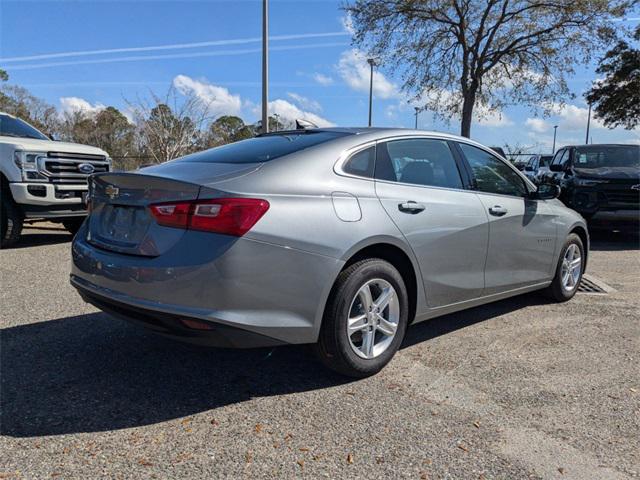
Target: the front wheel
(569, 270)
(10, 221)
(72, 225)
(365, 319)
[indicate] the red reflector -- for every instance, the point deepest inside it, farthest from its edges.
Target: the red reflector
(230, 216)
(196, 324)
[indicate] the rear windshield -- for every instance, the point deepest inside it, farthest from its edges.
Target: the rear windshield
(263, 149)
(607, 156)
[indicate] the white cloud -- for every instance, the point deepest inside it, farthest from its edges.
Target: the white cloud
(305, 103)
(355, 71)
(219, 100)
(347, 24)
(288, 113)
(488, 118)
(323, 79)
(538, 125)
(574, 118)
(71, 105)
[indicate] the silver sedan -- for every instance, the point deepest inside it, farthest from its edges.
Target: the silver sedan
(339, 238)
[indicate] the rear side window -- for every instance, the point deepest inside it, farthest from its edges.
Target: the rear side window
(427, 162)
(263, 149)
(492, 174)
(361, 163)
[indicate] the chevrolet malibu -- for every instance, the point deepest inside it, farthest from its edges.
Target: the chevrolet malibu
(339, 238)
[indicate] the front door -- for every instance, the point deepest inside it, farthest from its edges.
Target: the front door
(522, 231)
(420, 187)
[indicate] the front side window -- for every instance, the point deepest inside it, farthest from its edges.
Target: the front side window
(557, 157)
(492, 174)
(427, 162)
(361, 163)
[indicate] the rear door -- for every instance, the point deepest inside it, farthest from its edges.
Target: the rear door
(419, 183)
(522, 231)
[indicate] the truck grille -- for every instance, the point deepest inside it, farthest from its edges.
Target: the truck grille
(621, 196)
(72, 168)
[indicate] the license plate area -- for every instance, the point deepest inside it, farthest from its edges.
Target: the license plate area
(122, 225)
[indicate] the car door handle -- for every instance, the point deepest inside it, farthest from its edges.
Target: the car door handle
(411, 207)
(497, 210)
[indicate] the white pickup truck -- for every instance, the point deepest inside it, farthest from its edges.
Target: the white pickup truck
(42, 179)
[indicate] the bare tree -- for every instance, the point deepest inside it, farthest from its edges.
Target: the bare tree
(457, 55)
(169, 126)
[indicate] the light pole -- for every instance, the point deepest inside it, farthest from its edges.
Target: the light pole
(265, 66)
(588, 125)
(371, 63)
(555, 130)
(417, 110)
(277, 115)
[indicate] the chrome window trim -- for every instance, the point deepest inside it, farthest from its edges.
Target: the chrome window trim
(348, 153)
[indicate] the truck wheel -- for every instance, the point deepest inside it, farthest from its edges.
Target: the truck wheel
(10, 221)
(72, 225)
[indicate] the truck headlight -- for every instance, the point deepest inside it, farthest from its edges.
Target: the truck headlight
(27, 162)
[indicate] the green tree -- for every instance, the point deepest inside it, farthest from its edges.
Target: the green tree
(3, 75)
(616, 99)
(18, 101)
(457, 55)
(227, 129)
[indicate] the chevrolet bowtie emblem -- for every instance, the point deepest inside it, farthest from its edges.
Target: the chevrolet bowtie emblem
(635, 187)
(112, 191)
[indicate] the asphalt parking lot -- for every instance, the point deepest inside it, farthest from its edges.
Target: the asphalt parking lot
(518, 389)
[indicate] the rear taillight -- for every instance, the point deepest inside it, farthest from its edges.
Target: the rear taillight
(231, 216)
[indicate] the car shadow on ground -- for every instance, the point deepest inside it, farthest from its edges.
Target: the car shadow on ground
(36, 236)
(92, 373)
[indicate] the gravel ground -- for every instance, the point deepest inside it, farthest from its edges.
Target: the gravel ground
(517, 389)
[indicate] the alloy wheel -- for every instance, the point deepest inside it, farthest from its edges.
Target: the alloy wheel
(373, 318)
(571, 267)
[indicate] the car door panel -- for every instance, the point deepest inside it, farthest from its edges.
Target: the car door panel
(522, 230)
(445, 227)
(521, 242)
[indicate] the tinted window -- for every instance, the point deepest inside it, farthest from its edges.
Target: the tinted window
(557, 157)
(263, 149)
(595, 156)
(14, 127)
(545, 160)
(420, 161)
(492, 174)
(361, 163)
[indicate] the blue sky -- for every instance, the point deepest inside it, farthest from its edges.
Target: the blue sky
(70, 62)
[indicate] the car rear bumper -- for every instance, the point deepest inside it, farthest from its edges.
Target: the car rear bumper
(268, 290)
(179, 327)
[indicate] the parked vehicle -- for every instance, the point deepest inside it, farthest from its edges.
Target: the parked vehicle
(602, 182)
(42, 179)
(335, 237)
(536, 167)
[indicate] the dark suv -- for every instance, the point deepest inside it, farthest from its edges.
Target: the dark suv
(601, 182)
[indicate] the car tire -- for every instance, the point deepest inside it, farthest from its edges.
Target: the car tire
(559, 290)
(11, 220)
(72, 225)
(344, 352)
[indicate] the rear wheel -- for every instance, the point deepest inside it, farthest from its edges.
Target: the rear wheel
(10, 221)
(365, 319)
(569, 270)
(72, 225)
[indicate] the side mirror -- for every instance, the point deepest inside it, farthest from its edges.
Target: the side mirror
(556, 167)
(546, 191)
(529, 168)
